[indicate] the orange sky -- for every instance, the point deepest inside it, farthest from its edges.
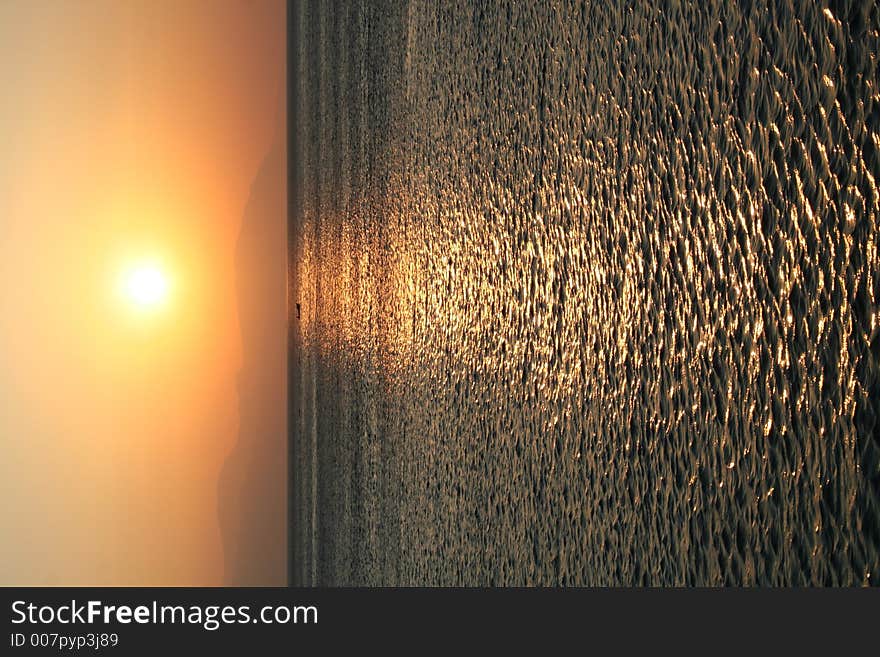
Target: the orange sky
(130, 130)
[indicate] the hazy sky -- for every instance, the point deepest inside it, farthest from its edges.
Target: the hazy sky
(130, 131)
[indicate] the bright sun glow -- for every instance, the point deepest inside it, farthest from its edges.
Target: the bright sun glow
(146, 286)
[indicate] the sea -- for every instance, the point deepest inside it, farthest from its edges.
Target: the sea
(584, 293)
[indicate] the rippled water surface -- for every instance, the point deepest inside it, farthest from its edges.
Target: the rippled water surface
(585, 293)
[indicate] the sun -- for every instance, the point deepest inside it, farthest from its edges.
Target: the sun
(145, 286)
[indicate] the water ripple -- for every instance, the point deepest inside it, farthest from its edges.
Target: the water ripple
(589, 293)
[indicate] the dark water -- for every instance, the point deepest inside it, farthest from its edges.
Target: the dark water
(588, 293)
